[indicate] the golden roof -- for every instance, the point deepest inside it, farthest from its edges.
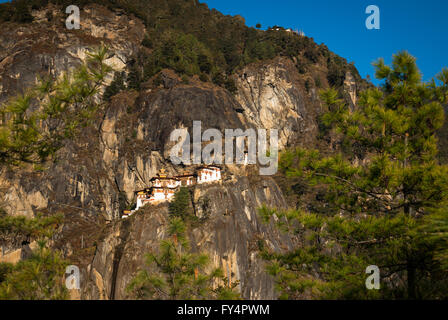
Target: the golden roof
(162, 173)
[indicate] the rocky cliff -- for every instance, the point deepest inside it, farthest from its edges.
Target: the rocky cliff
(95, 176)
(228, 230)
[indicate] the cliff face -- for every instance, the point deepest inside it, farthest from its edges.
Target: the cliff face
(229, 231)
(47, 47)
(96, 175)
(273, 96)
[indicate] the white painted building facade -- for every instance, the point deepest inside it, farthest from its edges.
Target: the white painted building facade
(208, 174)
(164, 187)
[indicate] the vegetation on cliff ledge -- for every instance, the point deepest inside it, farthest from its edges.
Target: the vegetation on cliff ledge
(191, 39)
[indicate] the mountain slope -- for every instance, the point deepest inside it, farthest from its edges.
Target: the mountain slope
(238, 84)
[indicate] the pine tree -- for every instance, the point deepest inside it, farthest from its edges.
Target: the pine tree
(16, 229)
(381, 193)
(34, 126)
(134, 78)
(32, 135)
(175, 273)
(22, 12)
(39, 277)
(180, 206)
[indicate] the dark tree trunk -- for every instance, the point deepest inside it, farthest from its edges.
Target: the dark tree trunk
(411, 281)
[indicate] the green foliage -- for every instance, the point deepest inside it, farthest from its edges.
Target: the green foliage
(38, 278)
(134, 77)
(188, 37)
(439, 90)
(146, 42)
(339, 248)
(307, 85)
(203, 77)
(178, 51)
(20, 227)
(37, 122)
(49, 16)
(176, 273)
(16, 11)
(386, 197)
(436, 228)
(337, 68)
(22, 12)
(180, 206)
(185, 79)
(231, 85)
(5, 269)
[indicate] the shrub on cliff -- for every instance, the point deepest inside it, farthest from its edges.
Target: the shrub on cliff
(180, 52)
(16, 11)
(21, 12)
(115, 86)
(20, 228)
(180, 206)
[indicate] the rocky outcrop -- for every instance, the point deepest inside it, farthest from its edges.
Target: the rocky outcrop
(272, 96)
(229, 231)
(95, 175)
(14, 256)
(45, 47)
(350, 88)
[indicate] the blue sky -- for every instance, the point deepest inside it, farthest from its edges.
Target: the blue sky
(417, 26)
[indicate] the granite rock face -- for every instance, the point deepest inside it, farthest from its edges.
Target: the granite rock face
(49, 48)
(96, 175)
(272, 96)
(229, 232)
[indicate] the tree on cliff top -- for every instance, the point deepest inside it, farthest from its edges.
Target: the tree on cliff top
(20, 228)
(181, 33)
(383, 194)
